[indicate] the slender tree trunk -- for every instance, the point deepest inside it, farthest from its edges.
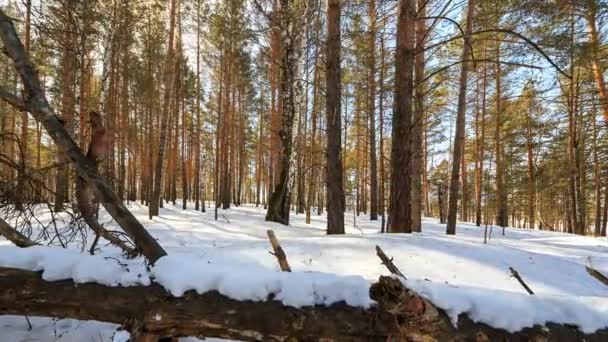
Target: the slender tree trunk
(531, 171)
(418, 121)
(480, 149)
(168, 72)
(381, 113)
(597, 177)
(459, 138)
(372, 12)
(67, 111)
(23, 139)
(501, 194)
(197, 130)
(335, 187)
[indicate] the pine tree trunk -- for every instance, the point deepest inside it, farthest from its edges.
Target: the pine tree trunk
(418, 121)
(168, 72)
(373, 210)
(335, 187)
(459, 138)
(501, 194)
(401, 170)
(480, 146)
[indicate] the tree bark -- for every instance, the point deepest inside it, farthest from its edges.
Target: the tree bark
(401, 150)
(168, 82)
(460, 124)
(373, 196)
(501, 194)
(480, 145)
(335, 186)
(418, 121)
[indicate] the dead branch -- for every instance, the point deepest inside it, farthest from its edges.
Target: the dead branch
(516, 275)
(388, 262)
(278, 251)
(597, 275)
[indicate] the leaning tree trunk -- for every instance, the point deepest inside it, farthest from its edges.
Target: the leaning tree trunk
(39, 107)
(460, 124)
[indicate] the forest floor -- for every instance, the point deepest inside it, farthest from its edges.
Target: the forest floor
(458, 273)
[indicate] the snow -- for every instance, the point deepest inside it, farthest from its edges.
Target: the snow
(60, 264)
(458, 273)
(180, 273)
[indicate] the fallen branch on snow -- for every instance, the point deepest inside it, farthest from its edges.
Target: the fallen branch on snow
(278, 251)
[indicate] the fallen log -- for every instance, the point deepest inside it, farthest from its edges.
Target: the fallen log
(399, 315)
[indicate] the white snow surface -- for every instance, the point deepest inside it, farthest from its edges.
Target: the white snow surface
(459, 274)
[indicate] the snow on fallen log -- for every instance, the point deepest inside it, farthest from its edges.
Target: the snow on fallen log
(185, 295)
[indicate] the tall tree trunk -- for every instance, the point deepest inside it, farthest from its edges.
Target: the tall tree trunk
(67, 109)
(23, 156)
(278, 206)
(597, 177)
(373, 209)
(460, 124)
(197, 130)
(381, 114)
(168, 80)
(418, 121)
(501, 194)
(401, 150)
(480, 144)
(335, 186)
(531, 172)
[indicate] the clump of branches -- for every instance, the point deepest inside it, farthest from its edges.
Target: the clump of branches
(25, 201)
(26, 204)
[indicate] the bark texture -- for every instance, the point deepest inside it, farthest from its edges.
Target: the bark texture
(335, 187)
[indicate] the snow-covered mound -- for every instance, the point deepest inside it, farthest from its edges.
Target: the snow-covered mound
(458, 273)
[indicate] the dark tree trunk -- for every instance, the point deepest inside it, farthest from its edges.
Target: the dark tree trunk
(373, 196)
(460, 125)
(335, 187)
(401, 151)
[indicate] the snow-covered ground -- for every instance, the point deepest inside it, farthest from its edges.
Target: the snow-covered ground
(458, 273)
